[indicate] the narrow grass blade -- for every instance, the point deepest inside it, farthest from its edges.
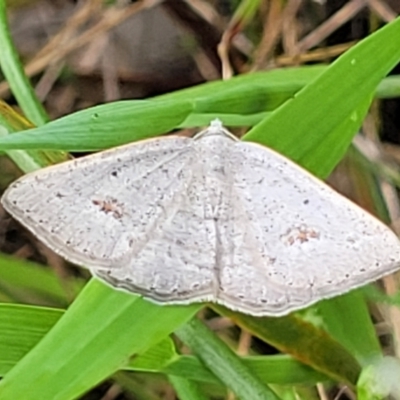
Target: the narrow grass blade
(223, 362)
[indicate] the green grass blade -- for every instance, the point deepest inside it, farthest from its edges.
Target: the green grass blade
(223, 362)
(30, 160)
(28, 282)
(351, 326)
(278, 369)
(14, 72)
(241, 101)
(186, 390)
(21, 328)
(103, 126)
(389, 87)
(333, 97)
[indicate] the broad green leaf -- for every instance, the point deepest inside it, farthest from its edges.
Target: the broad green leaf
(92, 340)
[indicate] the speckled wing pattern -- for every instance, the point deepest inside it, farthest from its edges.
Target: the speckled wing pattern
(128, 214)
(302, 241)
(208, 218)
